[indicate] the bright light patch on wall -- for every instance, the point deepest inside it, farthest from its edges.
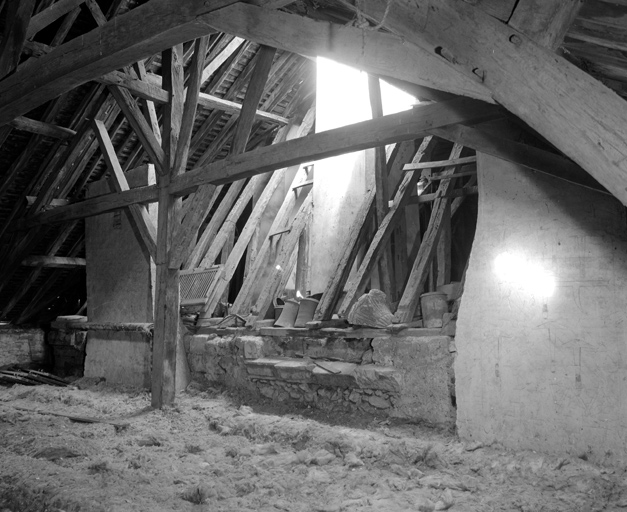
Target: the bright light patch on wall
(522, 274)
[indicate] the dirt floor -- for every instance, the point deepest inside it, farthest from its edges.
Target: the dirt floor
(214, 452)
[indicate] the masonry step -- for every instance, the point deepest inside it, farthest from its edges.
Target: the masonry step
(326, 373)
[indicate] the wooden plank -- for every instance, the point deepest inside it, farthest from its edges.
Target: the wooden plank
(221, 58)
(139, 88)
(141, 127)
(149, 108)
(382, 196)
(387, 129)
(545, 21)
(210, 232)
(282, 265)
(54, 262)
(573, 111)
(139, 218)
(191, 101)
(41, 128)
(151, 90)
(96, 12)
(255, 89)
(50, 15)
(374, 52)
(90, 207)
(418, 275)
(14, 33)
(136, 35)
(213, 102)
(357, 283)
(440, 163)
(191, 224)
(384, 130)
(228, 226)
(221, 282)
(516, 152)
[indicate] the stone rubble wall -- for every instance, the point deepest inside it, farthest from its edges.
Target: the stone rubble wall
(404, 377)
(22, 346)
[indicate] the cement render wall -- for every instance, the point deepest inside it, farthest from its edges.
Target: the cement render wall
(540, 369)
(120, 276)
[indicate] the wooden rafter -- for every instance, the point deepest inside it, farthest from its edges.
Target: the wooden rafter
(14, 33)
(428, 247)
(572, 110)
(138, 34)
(403, 126)
(139, 217)
(374, 52)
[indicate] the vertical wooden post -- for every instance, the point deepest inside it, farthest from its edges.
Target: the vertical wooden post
(385, 264)
(302, 262)
(167, 300)
(444, 249)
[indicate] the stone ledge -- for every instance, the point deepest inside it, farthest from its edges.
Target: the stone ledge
(326, 373)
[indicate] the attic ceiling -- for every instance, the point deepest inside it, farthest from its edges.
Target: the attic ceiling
(53, 163)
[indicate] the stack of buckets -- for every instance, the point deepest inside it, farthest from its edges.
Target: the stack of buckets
(293, 313)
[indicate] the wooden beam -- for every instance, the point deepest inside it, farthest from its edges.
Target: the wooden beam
(255, 89)
(191, 223)
(220, 284)
(191, 101)
(440, 163)
(14, 33)
(285, 259)
(50, 15)
(576, 113)
(221, 58)
(404, 126)
(41, 128)
(545, 21)
(518, 153)
(141, 127)
(136, 35)
(139, 218)
(149, 108)
(422, 263)
(90, 207)
(213, 102)
(167, 296)
(228, 226)
(384, 130)
(382, 195)
(140, 88)
(200, 204)
(374, 52)
(54, 262)
(96, 12)
(151, 90)
(357, 283)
